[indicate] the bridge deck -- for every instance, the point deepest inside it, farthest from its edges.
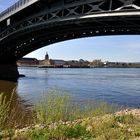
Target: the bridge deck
(21, 4)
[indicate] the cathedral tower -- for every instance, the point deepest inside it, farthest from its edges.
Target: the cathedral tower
(46, 56)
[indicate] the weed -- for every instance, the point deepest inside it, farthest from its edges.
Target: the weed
(76, 131)
(4, 109)
(56, 108)
(125, 119)
(52, 109)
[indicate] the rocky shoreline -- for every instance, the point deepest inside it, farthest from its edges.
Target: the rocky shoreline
(134, 112)
(88, 122)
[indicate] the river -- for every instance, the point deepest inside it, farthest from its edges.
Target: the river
(114, 85)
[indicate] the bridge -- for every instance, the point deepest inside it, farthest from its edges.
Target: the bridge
(31, 24)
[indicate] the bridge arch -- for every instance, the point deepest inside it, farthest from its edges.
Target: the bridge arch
(64, 20)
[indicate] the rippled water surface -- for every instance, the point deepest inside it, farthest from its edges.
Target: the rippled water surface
(114, 85)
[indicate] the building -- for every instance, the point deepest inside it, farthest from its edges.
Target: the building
(57, 62)
(27, 62)
(97, 63)
(77, 64)
(46, 61)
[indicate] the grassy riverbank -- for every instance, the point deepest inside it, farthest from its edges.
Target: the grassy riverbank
(60, 118)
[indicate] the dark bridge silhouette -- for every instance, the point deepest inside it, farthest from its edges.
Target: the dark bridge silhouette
(32, 24)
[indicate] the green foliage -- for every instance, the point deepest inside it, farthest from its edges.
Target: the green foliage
(102, 128)
(99, 109)
(66, 120)
(6, 133)
(121, 127)
(125, 119)
(61, 132)
(52, 109)
(4, 109)
(56, 108)
(38, 134)
(77, 131)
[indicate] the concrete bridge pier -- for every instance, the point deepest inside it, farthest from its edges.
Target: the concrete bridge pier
(9, 72)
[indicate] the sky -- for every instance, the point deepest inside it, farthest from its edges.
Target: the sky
(107, 48)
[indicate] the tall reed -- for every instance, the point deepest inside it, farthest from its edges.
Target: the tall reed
(54, 108)
(4, 109)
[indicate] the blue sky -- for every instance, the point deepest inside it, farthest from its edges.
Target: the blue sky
(111, 48)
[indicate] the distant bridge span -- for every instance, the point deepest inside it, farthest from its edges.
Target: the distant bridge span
(32, 24)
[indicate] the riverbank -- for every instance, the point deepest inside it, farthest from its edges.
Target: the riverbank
(68, 67)
(122, 125)
(59, 117)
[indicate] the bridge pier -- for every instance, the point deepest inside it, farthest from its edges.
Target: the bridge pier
(9, 72)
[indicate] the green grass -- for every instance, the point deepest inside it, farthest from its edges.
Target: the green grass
(66, 120)
(52, 110)
(105, 127)
(61, 132)
(4, 109)
(57, 108)
(13, 114)
(91, 121)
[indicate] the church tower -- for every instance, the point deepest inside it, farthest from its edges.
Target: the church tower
(46, 56)
(46, 61)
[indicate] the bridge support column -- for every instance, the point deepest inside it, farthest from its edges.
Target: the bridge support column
(8, 72)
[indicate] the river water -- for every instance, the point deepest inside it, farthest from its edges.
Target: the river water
(115, 85)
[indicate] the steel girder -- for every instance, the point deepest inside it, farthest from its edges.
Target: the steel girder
(75, 19)
(72, 9)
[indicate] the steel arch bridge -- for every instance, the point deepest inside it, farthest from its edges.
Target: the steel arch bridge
(32, 24)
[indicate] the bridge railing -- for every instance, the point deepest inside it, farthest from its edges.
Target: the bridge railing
(14, 8)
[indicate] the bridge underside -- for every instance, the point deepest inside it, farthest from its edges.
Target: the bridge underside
(63, 20)
(26, 40)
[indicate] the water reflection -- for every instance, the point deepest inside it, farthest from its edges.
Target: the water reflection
(9, 89)
(20, 114)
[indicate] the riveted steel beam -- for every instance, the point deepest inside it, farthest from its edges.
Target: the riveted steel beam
(66, 19)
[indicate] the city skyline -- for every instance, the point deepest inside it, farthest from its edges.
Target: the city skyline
(111, 48)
